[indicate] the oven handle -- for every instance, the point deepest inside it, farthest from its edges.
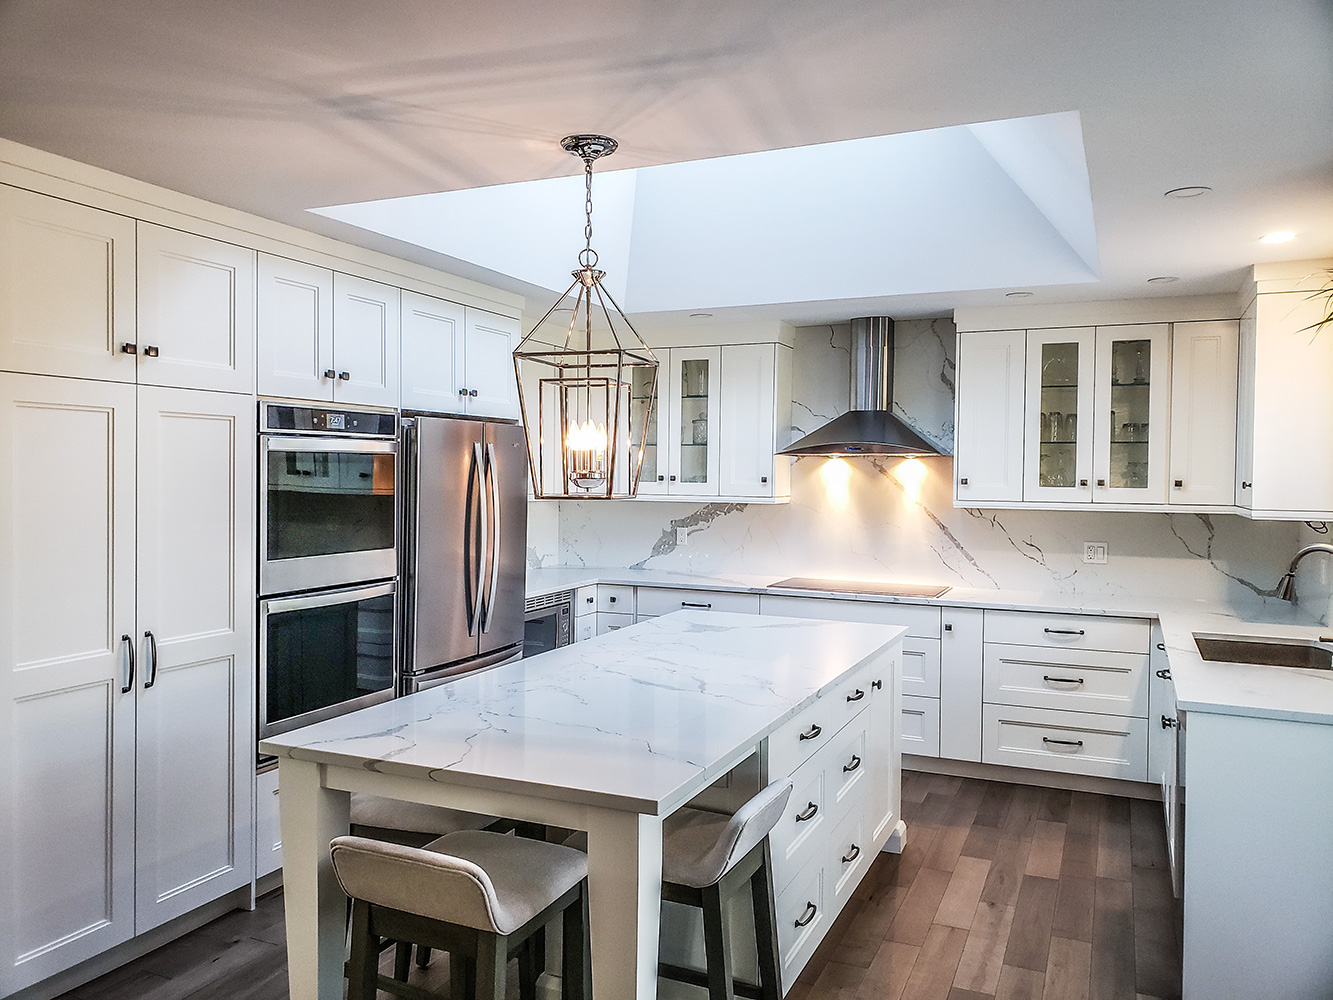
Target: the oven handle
(276, 605)
(359, 446)
(493, 506)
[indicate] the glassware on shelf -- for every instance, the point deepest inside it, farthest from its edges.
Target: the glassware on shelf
(1069, 427)
(700, 430)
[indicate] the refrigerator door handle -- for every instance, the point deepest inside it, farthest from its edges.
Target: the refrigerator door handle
(493, 505)
(476, 618)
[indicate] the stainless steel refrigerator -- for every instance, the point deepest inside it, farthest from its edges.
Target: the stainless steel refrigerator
(464, 547)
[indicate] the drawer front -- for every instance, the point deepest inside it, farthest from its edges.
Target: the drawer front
(919, 619)
(619, 600)
(920, 729)
(1024, 628)
(1075, 742)
(1079, 680)
(802, 832)
(803, 916)
(612, 621)
(655, 601)
(585, 601)
(797, 739)
(852, 695)
(847, 769)
(921, 667)
(268, 832)
(585, 627)
(849, 856)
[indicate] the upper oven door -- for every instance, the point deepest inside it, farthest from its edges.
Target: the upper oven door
(327, 513)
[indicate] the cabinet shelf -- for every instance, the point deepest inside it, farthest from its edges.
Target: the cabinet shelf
(1059, 385)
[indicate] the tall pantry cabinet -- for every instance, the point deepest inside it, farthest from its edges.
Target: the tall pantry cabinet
(126, 596)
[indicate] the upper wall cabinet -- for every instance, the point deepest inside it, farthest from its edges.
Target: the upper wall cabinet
(66, 288)
(196, 312)
(457, 359)
(1130, 403)
(988, 451)
(1203, 413)
(326, 336)
(1058, 421)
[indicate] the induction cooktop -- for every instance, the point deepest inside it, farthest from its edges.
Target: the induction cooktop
(884, 588)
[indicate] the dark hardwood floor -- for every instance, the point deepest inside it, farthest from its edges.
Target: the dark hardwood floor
(1004, 891)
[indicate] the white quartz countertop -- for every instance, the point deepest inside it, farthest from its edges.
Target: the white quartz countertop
(1202, 686)
(629, 720)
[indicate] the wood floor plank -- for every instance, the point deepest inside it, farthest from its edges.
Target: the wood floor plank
(1055, 805)
(1068, 970)
(983, 955)
(919, 841)
(1006, 870)
(1147, 835)
(1081, 836)
(886, 979)
(1157, 960)
(1030, 934)
(1074, 907)
(959, 904)
(932, 974)
(1022, 810)
(1020, 984)
(838, 982)
(1113, 840)
(1113, 941)
(961, 994)
(994, 804)
(981, 842)
(1047, 850)
(947, 847)
(861, 941)
(916, 914)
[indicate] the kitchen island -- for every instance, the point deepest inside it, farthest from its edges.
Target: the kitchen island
(611, 736)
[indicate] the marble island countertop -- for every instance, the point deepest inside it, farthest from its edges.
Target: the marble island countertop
(631, 719)
(1203, 686)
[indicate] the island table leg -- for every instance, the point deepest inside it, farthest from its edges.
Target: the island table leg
(624, 900)
(316, 908)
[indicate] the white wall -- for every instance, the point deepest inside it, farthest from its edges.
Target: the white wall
(859, 521)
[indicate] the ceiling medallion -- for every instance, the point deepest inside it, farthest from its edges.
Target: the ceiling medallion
(586, 387)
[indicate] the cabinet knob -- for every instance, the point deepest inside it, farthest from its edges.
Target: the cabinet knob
(612, 600)
(1169, 723)
(662, 478)
(1246, 486)
(1179, 483)
(673, 479)
(1100, 482)
(344, 376)
(763, 479)
(149, 351)
(462, 392)
(963, 481)
(948, 627)
(472, 392)
(1083, 482)
(330, 373)
(129, 348)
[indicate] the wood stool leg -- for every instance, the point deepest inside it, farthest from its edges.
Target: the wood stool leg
(717, 946)
(528, 970)
(462, 983)
(402, 960)
(363, 966)
(766, 928)
(575, 957)
(492, 957)
(423, 956)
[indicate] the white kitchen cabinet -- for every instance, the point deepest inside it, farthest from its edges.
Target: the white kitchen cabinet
(488, 364)
(989, 445)
(327, 336)
(196, 309)
(754, 421)
(268, 831)
(67, 288)
(1163, 757)
(432, 355)
(694, 405)
(136, 781)
(960, 683)
(1130, 406)
(1286, 409)
(1203, 413)
(919, 728)
(1058, 423)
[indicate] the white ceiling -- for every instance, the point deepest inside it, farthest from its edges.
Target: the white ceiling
(276, 107)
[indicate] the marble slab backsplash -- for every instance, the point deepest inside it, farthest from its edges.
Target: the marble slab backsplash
(876, 518)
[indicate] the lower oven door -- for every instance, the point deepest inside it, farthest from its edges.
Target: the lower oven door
(324, 654)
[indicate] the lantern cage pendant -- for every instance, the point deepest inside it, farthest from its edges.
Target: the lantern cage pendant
(586, 388)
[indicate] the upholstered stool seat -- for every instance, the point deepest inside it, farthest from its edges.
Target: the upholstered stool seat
(476, 894)
(413, 823)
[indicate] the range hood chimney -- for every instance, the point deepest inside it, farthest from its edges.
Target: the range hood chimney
(869, 428)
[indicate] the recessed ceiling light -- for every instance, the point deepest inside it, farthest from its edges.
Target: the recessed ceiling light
(1189, 191)
(1163, 279)
(701, 315)
(1281, 237)
(1018, 295)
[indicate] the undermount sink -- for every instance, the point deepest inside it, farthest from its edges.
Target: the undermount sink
(1266, 650)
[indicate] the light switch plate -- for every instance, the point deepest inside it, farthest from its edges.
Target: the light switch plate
(1094, 552)
(683, 537)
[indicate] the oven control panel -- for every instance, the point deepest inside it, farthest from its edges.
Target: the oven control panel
(293, 419)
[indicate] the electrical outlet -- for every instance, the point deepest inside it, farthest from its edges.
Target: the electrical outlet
(683, 538)
(1094, 552)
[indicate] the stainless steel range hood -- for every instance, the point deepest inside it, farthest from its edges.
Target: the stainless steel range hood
(869, 428)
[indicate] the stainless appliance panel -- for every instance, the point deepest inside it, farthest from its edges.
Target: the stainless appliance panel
(443, 508)
(548, 622)
(505, 578)
(412, 683)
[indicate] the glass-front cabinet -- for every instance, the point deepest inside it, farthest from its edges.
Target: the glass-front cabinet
(692, 391)
(1132, 395)
(1057, 465)
(653, 478)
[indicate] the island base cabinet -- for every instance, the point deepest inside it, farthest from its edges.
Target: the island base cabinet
(268, 832)
(1258, 883)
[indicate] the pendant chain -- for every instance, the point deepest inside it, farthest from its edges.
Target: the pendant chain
(587, 202)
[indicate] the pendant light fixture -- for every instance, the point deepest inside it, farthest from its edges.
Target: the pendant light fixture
(586, 387)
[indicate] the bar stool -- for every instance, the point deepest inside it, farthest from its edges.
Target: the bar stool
(478, 895)
(707, 858)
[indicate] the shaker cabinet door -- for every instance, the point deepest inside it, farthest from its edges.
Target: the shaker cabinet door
(488, 358)
(988, 450)
(1057, 463)
(432, 356)
(1202, 464)
(295, 318)
(366, 339)
(66, 288)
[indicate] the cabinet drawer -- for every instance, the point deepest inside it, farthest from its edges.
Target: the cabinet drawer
(1076, 742)
(802, 832)
(268, 832)
(619, 600)
(803, 915)
(654, 601)
(849, 856)
(611, 621)
(847, 769)
(1024, 628)
(1080, 680)
(585, 601)
(919, 619)
(585, 627)
(921, 667)
(919, 732)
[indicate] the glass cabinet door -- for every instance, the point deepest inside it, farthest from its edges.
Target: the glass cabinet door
(654, 476)
(1132, 397)
(693, 388)
(1058, 457)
